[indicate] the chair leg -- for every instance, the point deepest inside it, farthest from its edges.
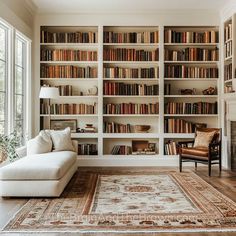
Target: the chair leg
(220, 165)
(195, 165)
(180, 163)
(209, 168)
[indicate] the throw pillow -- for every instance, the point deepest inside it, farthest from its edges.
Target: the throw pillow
(203, 139)
(62, 140)
(40, 144)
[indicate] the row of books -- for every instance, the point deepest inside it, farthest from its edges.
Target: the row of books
(172, 36)
(228, 32)
(65, 90)
(87, 149)
(67, 71)
(192, 54)
(228, 49)
(182, 71)
(126, 54)
(111, 88)
(228, 73)
(67, 55)
(170, 148)
(121, 150)
(113, 127)
(130, 37)
(178, 126)
(71, 37)
(68, 109)
(131, 108)
(120, 72)
(190, 108)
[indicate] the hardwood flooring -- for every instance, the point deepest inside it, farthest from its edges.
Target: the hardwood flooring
(224, 182)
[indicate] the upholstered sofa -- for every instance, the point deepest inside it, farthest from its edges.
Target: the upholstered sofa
(38, 175)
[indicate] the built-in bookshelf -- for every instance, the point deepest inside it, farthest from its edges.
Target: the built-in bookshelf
(142, 90)
(229, 55)
(191, 77)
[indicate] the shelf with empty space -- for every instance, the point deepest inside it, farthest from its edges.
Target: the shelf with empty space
(84, 135)
(179, 135)
(130, 135)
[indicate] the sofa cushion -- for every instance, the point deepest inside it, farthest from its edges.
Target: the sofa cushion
(61, 140)
(197, 152)
(40, 144)
(203, 139)
(47, 166)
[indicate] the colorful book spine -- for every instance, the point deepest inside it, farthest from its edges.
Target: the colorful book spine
(111, 88)
(131, 108)
(131, 37)
(124, 54)
(120, 72)
(58, 71)
(182, 71)
(67, 55)
(174, 36)
(71, 37)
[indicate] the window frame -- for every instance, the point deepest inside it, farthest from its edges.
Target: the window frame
(10, 100)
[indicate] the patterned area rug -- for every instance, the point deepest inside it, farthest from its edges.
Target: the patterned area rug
(129, 202)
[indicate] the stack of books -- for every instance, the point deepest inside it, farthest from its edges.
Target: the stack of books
(121, 150)
(112, 127)
(170, 148)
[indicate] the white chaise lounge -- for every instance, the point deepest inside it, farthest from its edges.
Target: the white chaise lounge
(38, 175)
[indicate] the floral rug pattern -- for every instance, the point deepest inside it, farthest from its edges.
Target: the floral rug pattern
(129, 202)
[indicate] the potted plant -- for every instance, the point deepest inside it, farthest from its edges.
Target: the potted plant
(8, 145)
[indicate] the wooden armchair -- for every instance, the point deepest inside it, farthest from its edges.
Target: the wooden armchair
(208, 155)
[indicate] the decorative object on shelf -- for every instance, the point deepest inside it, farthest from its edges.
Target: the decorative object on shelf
(92, 91)
(47, 92)
(8, 145)
(209, 91)
(142, 128)
(62, 124)
(89, 128)
(188, 91)
(143, 147)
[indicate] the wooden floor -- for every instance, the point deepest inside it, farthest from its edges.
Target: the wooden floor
(224, 182)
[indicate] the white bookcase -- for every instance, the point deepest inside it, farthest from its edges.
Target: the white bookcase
(106, 141)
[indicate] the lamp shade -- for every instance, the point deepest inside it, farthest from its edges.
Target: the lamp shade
(48, 92)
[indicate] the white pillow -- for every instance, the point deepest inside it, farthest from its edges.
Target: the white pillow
(40, 144)
(62, 140)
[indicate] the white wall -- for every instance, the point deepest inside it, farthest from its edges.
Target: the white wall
(18, 14)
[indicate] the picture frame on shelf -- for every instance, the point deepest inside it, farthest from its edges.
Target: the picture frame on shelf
(62, 124)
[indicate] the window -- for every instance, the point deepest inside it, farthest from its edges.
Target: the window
(14, 81)
(19, 85)
(3, 76)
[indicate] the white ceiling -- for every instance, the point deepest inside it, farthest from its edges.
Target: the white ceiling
(73, 6)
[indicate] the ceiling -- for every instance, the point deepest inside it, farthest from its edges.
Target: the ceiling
(73, 6)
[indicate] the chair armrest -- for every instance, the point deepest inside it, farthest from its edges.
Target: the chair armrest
(213, 145)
